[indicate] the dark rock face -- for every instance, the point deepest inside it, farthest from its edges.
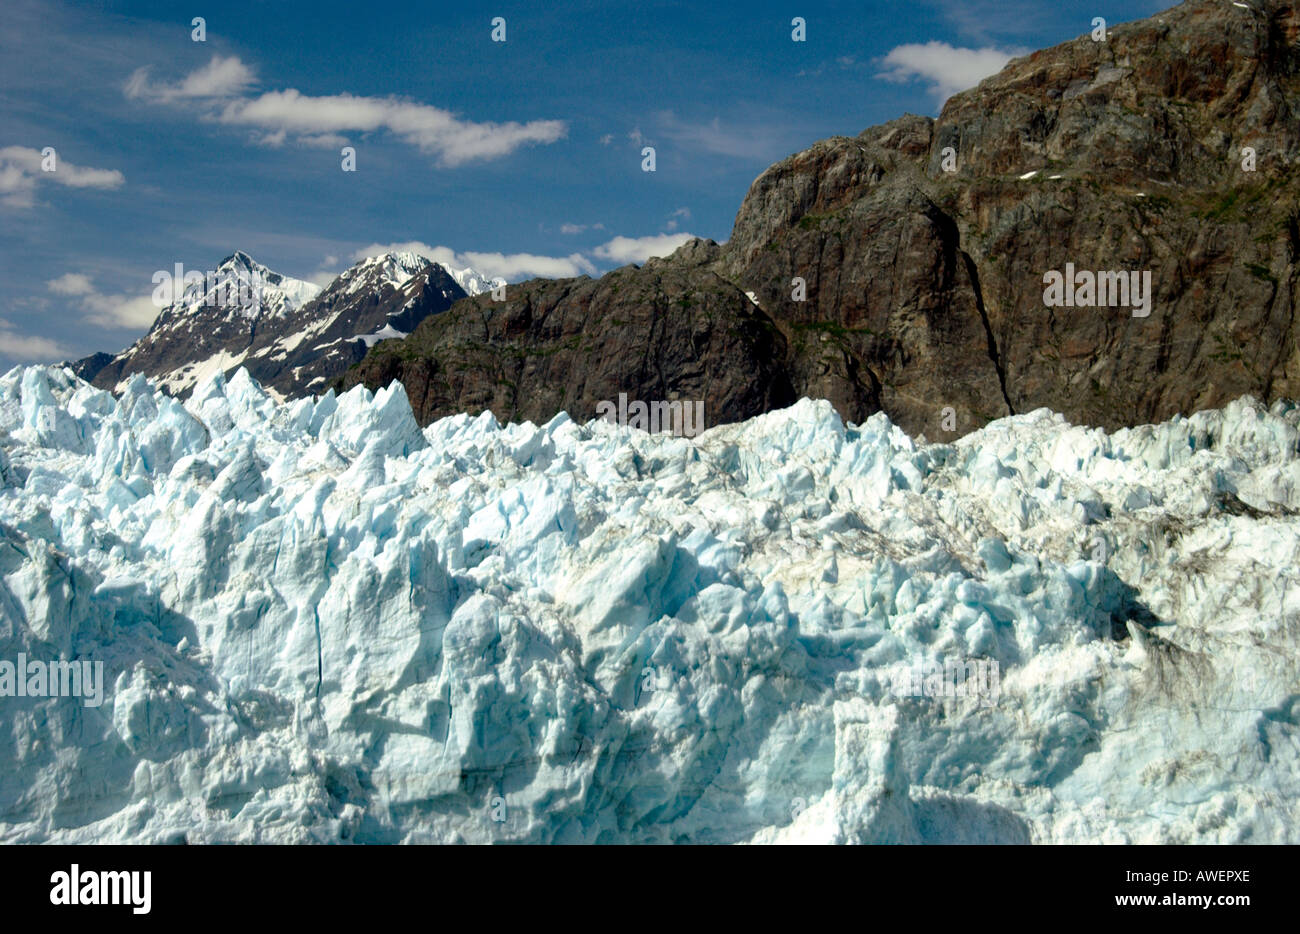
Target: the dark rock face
(341, 324)
(894, 317)
(1146, 132)
(924, 287)
(89, 367)
(670, 330)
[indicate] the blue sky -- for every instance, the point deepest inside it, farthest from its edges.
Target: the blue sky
(522, 158)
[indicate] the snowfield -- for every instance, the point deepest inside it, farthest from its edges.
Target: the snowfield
(320, 623)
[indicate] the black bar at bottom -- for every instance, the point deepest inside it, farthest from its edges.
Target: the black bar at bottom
(302, 884)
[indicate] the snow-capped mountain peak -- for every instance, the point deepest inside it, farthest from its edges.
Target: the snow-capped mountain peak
(470, 279)
(395, 269)
(243, 285)
(398, 267)
(293, 335)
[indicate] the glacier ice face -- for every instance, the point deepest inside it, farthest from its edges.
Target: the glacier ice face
(320, 623)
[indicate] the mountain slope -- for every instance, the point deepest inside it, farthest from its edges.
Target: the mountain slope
(206, 330)
(298, 338)
(1134, 146)
(380, 297)
(925, 288)
(677, 328)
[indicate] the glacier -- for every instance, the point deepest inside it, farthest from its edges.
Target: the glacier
(321, 623)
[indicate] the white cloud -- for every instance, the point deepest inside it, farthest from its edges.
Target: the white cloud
(624, 250)
(271, 140)
(527, 265)
(520, 266)
(433, 130)
(30, 348)
(322, 120)
(72, 283)
(947, 68)
(514, 267)
(579, 228)
(509, 266)
(120, 311)
(17, 188)
(322, 140)
(323, 277)
(220, 78)
(683, 213)
(109, 311)
(21, 172)
(326, 272)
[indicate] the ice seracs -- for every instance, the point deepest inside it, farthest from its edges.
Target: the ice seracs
(319, 622)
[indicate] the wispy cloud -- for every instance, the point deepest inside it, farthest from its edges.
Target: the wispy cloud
(30, 348)
(759, 141)
(509, 266)
(992, 22)
(326, 272)
(72, 283)
(623, 250)
(948, 69)
(320, 120)
(21, 171)
(516, 266)
(842, 62)
(579, 228)
(109, 311)
(433, 130)
(220, 78)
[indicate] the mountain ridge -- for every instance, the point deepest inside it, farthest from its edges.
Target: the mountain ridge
(292, 335)
(924, 287)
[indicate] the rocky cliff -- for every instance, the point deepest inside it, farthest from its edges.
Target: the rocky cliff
(1170, 148)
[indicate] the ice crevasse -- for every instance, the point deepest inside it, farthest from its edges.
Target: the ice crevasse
(320, 623)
